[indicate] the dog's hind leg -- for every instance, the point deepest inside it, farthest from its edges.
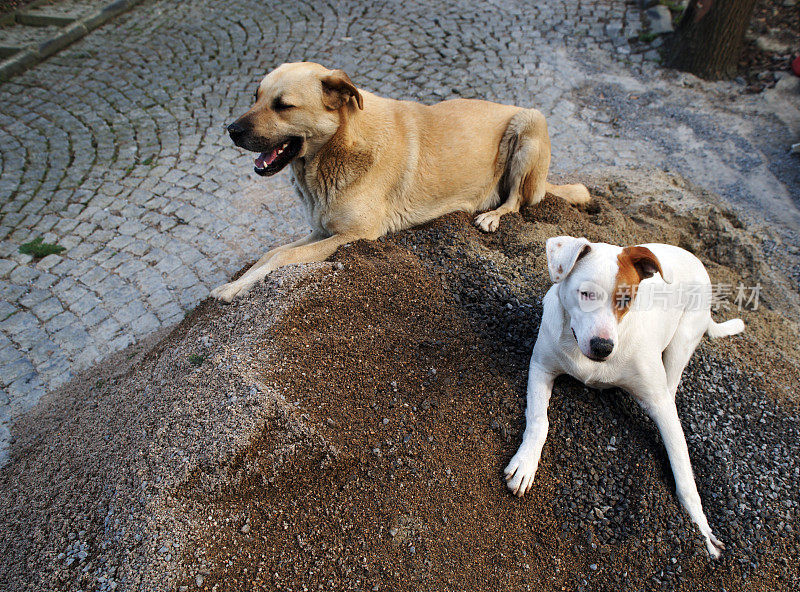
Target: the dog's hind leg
(679, 351)
(525, 148)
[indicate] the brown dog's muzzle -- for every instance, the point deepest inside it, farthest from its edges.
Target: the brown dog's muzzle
(236, 131)
(274, 155)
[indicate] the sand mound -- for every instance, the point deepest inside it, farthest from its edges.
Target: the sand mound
(344, 427)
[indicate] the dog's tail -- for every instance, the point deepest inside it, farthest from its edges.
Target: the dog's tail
(725, 329)
(574, 194)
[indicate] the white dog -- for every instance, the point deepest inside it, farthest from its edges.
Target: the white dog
(629, 318)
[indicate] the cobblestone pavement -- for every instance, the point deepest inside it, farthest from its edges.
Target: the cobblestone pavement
(115, 149)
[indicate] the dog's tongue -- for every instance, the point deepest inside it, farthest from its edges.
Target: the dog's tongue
(266, 158)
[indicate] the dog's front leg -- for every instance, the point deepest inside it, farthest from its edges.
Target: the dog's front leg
(661, 408)
(309, 252)
(522, 468)
(227, 292)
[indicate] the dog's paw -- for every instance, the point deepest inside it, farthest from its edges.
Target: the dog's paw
(520, 472)
(227, 292)
(714, 545)
(488, 221)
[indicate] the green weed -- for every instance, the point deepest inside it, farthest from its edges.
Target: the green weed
(39, 249)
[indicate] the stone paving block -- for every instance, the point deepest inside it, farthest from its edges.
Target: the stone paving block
(7, 309)
(85, 303)
(33, 297)
(182, 278)
(8, 352)
(95, 316)
(130, 227)
(107, 330)
(84, 229)
(63, 267)
(100, 236)
(45, 280)
(130, 268)
(192, 295)
(23, 275)
(22, 392)
(56, 370)
(64, 226)
(7, 249)
(86, 357)
(172, 176)
(61, 321)
(130, 312)
(72, 338)
(189, 181)
(82, 267)
(168, 264)
(145, 324)
(18, 322)
(119, 296)
(28, 339)
(47, 309)
(64, 283)
(120, 342)
(42, 350)
(16, 370)
(94, 276)
(117, 260)
(6, 267)
(46, 263)
(103, 255)
(159, 297)
(113, 286)
(120, 242)
(137, 247)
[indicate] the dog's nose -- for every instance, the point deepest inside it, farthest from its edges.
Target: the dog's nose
(601, 348)
(235, 130)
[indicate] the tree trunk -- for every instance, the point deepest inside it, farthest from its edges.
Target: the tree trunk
(710, 36)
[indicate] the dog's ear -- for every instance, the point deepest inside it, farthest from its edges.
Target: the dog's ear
(645, 263)
(562, 254)
(337, 88)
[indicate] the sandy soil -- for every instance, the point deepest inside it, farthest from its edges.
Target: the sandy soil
(345, 426)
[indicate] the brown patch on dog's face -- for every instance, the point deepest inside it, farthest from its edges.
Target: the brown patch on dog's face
(298, 108)
(635, 264)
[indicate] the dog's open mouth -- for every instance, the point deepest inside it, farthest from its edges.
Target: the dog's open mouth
(269, 163)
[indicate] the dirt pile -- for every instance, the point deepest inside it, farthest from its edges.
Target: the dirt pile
(345, 426)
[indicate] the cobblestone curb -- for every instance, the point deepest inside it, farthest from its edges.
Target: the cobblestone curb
(36, 53)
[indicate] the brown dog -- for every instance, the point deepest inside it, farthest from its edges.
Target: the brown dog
(365, 165)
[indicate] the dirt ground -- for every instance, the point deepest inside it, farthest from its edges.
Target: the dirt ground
(345, 426)
(777, 24)
(10, 5)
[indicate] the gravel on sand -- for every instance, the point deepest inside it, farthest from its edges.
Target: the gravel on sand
(345, 426)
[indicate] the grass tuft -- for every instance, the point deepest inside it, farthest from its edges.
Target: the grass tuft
(39, 249)
(196, 359)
